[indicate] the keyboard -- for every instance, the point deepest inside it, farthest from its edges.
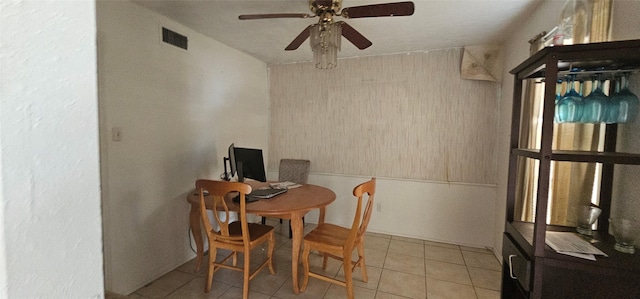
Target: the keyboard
(260, 194)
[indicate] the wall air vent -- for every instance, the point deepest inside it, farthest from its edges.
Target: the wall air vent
(174, 38)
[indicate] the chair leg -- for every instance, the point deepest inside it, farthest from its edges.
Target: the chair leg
(348, 279)
(264, 220)
(325, 258)
(246, 272)
(305, 266)
(272, 243)
(212, 259)
(363, 266)
(235, 258)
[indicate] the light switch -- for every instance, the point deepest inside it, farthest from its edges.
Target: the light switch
(116, 134)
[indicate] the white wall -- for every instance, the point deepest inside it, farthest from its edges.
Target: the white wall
(425, 133)
(436, 211)
(178, 111)
(625, 25)
(49, 159)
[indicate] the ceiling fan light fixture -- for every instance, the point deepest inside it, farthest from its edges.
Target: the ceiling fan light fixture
(325, 43)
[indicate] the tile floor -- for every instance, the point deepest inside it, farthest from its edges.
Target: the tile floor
(397, 267)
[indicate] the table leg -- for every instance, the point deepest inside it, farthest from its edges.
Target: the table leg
(321, 216)
(194, 223)
(297, 232)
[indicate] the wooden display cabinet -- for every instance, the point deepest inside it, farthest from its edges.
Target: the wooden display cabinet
(531, 269)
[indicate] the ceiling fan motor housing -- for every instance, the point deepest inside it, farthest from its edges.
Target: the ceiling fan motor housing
(325, 8)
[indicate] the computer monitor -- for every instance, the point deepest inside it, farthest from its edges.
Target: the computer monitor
(232, 164)
(232, 160)
(249, 163)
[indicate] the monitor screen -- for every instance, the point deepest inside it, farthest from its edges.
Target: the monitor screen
(249, 164)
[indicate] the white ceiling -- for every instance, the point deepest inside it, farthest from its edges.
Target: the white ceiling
(436, 24)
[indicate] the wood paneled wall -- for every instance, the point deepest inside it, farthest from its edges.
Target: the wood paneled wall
(404, 116)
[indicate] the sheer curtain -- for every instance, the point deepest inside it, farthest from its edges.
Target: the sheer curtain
(572, 184)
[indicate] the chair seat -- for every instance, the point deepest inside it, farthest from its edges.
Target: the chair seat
(256, 230)
(328, 235)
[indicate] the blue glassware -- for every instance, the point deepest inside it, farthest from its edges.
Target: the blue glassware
(613, 106)
(625, 101)
(558, 97)
(595, 104)
(570, 105)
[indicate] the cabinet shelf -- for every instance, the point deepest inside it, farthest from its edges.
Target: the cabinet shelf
(582, 156)
(540, 272)
(585, 57)
(605, 242)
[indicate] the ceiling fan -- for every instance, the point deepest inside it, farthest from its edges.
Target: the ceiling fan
(326, 34)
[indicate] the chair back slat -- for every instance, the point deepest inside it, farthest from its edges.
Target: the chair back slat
(361, 219)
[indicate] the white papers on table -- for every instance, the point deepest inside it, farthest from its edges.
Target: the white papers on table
(570, 244)
(285, 185)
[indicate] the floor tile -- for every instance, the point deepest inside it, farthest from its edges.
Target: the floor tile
(315, 265)
(377, 243)
(165, 285)
(397, 267)
(190, 267)
(228, 276)
(402, 284)
(406, 248)
(443, 254)
(486, 279)
(438, 289)
(266, 283)
(379, 235)
(476, 249)
(406, 239)
(315, 289)
(405, 263)
(383, 295)
(481, 260)
(373, 275)
(109, 295)
(374, 258)
(487, 294)
(195, 289)
(447, 272)
(236, 293)
(336, 291)
(440, 244)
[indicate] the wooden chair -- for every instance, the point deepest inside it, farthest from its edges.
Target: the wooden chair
(339, 242)
(292, 170)
(237, 236)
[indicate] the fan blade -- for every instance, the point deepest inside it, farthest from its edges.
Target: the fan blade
(275, 16)
(354, 36)
(299, 39)
(379, 10)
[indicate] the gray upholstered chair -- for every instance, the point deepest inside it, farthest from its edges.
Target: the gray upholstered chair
(292, 170)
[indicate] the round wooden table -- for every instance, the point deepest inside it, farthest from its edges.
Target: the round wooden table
(293, 205)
